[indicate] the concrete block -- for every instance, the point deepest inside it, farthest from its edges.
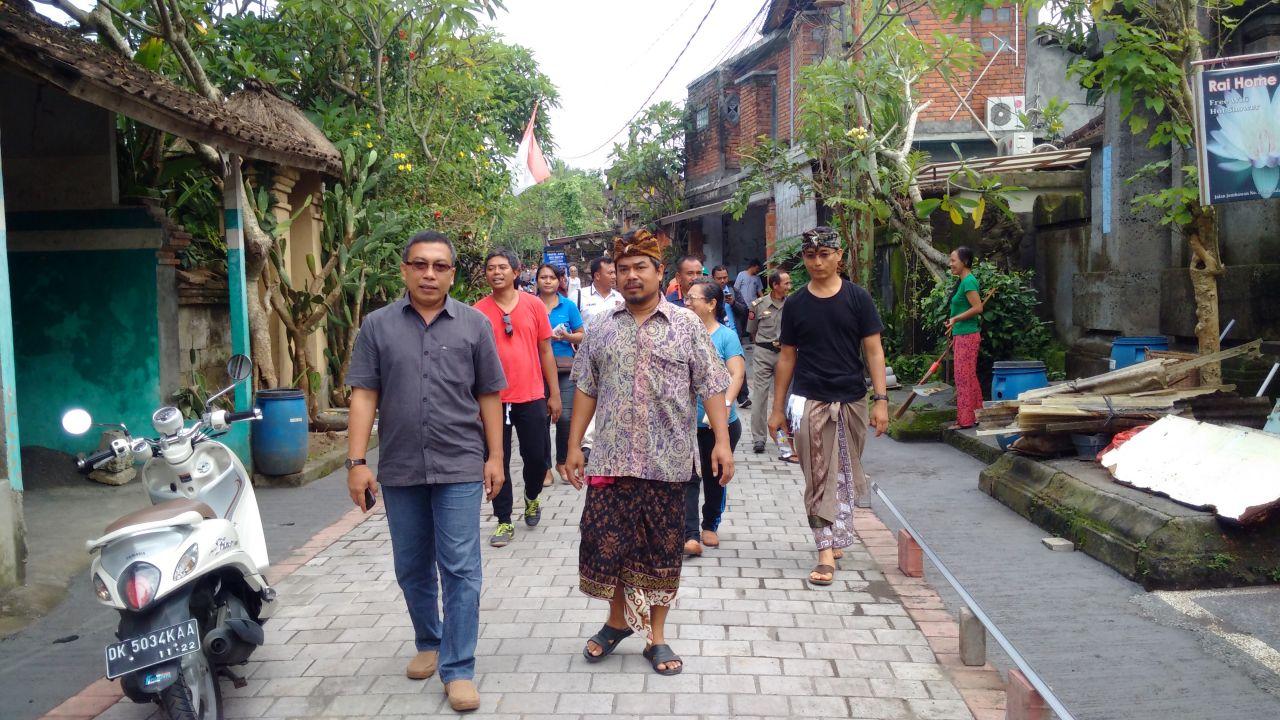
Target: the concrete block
(1058, 544)
(1022, 701)
(973, 639)
(910, 556)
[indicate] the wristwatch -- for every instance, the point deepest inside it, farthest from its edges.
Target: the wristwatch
(879, 396)
(352, 462)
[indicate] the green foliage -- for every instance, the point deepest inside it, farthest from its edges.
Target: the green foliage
(570, 202)
(1011, 330)
(910, 368)
(646, 177)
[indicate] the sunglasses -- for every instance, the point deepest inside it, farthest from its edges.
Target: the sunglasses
(421, 267)
(506, 324)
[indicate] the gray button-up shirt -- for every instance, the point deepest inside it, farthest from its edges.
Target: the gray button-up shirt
(428, 378)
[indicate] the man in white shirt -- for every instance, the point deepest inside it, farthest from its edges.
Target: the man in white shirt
(593, 299)
(600, 294)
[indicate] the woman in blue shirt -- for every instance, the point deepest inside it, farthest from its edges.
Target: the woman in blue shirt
(566, 331)
(706, 300)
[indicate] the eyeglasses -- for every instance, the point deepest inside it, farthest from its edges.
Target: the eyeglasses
(506, 324)
(421, 267)
(696, 297)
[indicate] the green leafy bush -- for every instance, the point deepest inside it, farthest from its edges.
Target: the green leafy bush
(1011, 330)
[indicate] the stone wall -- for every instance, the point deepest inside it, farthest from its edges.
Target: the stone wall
(204, 343)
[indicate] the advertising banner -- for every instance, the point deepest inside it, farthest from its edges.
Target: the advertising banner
(1238, 129)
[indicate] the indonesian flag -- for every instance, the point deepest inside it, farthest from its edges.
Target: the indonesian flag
(528, 167)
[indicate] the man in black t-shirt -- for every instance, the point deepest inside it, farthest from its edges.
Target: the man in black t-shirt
(830, 338)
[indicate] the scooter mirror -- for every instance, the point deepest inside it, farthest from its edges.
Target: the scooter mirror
(77, 421)
(239, 367)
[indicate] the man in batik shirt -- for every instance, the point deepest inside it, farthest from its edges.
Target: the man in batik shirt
(641, 368)
(829, 330)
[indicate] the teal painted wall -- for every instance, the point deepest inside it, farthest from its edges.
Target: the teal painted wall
(85, 335)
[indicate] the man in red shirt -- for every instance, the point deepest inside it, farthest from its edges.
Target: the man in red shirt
(523, 334)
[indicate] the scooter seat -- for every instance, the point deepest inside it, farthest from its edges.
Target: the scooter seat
(162, 511)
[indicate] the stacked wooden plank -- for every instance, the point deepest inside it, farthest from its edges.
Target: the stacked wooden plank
(1125, 398)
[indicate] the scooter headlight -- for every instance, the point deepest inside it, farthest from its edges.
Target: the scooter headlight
(100, 589)
(187, 562)
(139, 584)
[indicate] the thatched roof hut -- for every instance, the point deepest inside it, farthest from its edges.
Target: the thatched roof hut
(261, 104)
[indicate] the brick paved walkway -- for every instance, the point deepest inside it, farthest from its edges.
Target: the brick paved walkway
(756, 640)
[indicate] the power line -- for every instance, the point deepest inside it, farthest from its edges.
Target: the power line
(653, 92)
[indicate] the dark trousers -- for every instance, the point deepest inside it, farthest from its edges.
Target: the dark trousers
(709, 484)
(562, 425)
(740, 318)
(528, 421)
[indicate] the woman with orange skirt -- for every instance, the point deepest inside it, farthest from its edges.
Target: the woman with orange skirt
(966, 337)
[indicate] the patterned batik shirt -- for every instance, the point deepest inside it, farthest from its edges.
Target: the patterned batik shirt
(646, 379)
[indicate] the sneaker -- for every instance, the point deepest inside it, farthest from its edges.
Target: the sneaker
(532, 512)
(757, 447)
(503, 535)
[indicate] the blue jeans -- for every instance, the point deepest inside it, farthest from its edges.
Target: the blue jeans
(439, 526)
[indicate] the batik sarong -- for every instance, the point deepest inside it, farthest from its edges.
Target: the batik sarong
(632, 533)
(829, 441)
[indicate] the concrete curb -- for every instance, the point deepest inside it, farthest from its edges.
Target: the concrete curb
(982, 688)
(1148, 539)
(315, 469)
(102, 694)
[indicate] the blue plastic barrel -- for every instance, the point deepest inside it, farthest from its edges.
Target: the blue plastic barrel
(280, 437)
(1009, 378)
(1126, 351)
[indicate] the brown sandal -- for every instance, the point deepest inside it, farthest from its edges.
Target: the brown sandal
(710, 538)
(822, 570)
(692, 548)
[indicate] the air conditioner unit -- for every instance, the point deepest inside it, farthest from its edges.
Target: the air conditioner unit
(1016, 143)
(1002, 112)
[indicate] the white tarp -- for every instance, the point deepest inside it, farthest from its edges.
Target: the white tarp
(1234, 470)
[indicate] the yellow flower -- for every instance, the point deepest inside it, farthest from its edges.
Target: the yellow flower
(355, 133)
(479, 148)
(378, 137)
(461, 154)
(368, 144)
(400, 166)
(409, 167)
(367, 126)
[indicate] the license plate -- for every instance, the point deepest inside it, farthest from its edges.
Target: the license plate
(153, 648)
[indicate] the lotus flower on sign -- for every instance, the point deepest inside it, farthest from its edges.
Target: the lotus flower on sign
(1250, 139)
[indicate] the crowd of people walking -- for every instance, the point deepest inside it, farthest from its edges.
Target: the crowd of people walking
(640, 385)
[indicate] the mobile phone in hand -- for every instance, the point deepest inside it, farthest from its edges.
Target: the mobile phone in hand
(369, 500)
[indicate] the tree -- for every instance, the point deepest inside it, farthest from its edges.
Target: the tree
(570, 202)
(646, 177)
(853, 144)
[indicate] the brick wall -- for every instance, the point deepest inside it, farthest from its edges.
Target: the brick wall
(1003, 77)
(714, 150)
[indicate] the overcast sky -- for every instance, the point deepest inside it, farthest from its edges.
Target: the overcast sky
(606, 56)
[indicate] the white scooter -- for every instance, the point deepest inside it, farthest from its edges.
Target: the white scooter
(185, 573)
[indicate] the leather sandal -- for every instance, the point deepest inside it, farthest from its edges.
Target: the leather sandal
(659, 654)
(822, 570)
(710, 538)
(607, 640)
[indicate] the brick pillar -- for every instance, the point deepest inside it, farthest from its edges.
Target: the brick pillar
(770, 229)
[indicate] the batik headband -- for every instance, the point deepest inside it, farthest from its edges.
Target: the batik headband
(640, 242)
(820, 237)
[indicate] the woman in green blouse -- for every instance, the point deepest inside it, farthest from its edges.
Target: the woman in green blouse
(966, 307)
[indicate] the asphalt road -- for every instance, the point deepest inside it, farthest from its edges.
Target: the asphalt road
(61, 653)
(1107, 648)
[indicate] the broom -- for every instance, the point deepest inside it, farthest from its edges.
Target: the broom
(902, 409)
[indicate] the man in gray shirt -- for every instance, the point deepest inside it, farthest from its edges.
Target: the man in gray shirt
(428, 365)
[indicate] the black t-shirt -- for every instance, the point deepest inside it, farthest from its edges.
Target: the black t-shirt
(827, 334)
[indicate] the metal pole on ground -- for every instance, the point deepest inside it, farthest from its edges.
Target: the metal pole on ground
(1023, 666)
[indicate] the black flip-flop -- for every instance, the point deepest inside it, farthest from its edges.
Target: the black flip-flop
(822, 570)
(658, 654)
(607, 639)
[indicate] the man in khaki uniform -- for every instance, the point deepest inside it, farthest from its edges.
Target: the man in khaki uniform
(764, 325)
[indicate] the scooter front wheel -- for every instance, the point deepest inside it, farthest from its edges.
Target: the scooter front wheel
(195, 695)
